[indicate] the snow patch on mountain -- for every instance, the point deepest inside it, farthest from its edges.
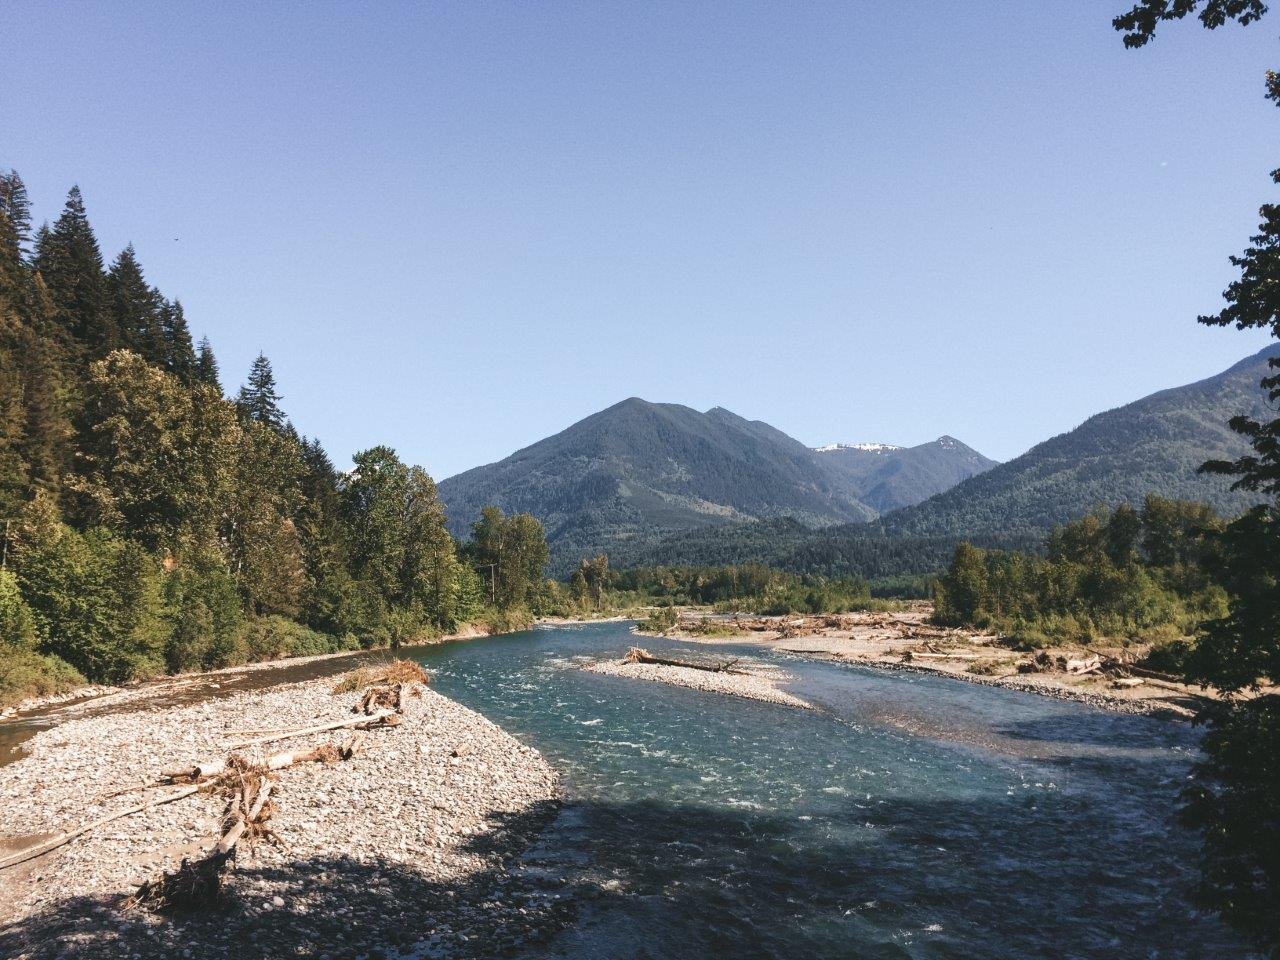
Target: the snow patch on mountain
(871, 447)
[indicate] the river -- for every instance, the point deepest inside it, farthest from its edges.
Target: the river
(908, 816)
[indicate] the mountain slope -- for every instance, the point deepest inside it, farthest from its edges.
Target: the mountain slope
(636, 470)
(886, 477)
(1152, 445)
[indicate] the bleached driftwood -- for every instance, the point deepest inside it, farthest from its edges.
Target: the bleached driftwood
(61, 839)
(372, 720)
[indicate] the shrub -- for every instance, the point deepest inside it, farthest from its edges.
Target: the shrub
(984, 668)
(1171, 656)
(660, 621)
(17, 623)
(276, 637)
(205, 617)
(97, 603)
(506, 621)
(25, 673)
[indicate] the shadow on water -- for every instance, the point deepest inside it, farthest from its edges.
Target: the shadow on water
(656, 880)
(927, 880)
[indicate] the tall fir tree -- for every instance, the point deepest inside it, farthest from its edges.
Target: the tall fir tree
(135, 309)
(180, 354)
(70, 263)
(207, 365)
(15, 234)
(258, 400)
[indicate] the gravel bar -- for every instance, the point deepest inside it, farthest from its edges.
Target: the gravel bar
(403, 850)
(761, 683)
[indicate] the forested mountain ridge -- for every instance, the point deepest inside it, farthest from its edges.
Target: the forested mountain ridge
(620, 479)
(1151, 446)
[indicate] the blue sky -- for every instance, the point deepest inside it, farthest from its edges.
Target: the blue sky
(457, 228)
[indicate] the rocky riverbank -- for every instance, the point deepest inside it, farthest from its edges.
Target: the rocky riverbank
(398, 850)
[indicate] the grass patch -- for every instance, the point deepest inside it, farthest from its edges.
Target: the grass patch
(702, 627)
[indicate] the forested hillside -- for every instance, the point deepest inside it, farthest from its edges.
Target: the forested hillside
(1152, 446)
(151, 524)
(619, 479)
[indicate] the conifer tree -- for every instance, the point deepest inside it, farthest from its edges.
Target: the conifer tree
(258, 400)
(135, 309)
(207, 365)
(1236, 800)
(15, 233)
(45, 444)
(70, 263)
(180, 355)
(16, 208)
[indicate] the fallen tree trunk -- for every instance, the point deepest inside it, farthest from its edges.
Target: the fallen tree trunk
(372, 719)
(638, 655)
(64, 838)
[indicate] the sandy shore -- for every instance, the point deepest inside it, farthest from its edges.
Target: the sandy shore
(757, 682)
(906, 641)
(394, 850)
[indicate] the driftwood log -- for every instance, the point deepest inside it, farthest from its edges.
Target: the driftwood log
(640, 655)
(61, 839)
(373, 719)
(248, 807)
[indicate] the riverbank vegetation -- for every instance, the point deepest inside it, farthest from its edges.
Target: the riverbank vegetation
(595, 590)
(1142, 575)
(152, 524)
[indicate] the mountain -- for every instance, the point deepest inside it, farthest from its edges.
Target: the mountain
(886, 477)
(631, 472)
(1152, 445)
(623, 478)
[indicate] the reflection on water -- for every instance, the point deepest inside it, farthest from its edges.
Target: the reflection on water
(911, 816)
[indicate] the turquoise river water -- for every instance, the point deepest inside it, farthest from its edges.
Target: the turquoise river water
(908, 817)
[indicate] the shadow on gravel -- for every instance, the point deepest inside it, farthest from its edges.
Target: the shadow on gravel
(338, 907)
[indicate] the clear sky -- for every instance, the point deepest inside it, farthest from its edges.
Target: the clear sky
(459, 227)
